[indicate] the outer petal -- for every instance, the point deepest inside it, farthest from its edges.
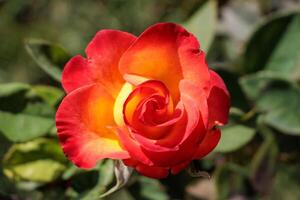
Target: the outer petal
(150, 171)
(176, 169)
(76, 73)
(84, 120)
(165, 52)
(103, 52)
(210, 141)
(218, 101)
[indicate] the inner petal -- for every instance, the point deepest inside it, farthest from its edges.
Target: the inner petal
(148, 107)
(155, 111)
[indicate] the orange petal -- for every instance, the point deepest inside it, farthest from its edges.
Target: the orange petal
(166, 52)
(84, 123)
(103, 53)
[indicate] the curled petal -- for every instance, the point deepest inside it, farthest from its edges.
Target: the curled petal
(218, 101)
(119, 103)
(101, 66)
(181, 141)
(148, 108)
(166, 52)
(84, 120)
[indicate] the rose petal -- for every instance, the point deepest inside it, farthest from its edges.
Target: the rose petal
(218, 101)
(152, 172)
(182, 140)
(103, 53)
(176, 169)
(142, 115)
(166, 52)
(84, 120)
(209, 142)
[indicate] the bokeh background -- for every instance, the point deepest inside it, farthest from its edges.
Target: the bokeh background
(254, 45)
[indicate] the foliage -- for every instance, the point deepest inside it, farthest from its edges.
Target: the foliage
(253, 45)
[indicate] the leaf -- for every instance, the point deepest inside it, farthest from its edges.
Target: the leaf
(39, 160)
(39, 109)
(282, 109)
(27, 112)
(105, 178)
(254, 85)
(203, 23)
(121, 194)
(5, 144)
(49, 57)
(13, 96)
(7, 187)
(286, 57)
(71, 171)
(150, 189)
(122, 174)
(45, 170)
(277, 99)
(264, 40)
(234, 137)
(7, 89)
(49, 94)
(22, 127)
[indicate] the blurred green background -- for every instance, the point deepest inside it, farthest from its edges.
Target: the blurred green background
(254, 45)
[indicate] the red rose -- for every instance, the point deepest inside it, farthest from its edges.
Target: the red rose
(149, 100)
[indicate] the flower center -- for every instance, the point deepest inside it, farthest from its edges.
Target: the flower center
(146, 109)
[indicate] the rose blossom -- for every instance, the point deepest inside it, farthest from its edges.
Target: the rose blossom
(150, 101)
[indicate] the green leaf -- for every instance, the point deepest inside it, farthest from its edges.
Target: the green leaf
(39, 109)
(234, 137)
(22, 127)
(7, 89)
(121, 194)
(4, 145)
(13, 96)
(49, 57)
(45, 170)
(264, 40)
(276, 98)
(203, 23)
(105, 178)
(49, 94)
(150, 189)
(254, 85)
(7, 187)
(286, 57)
(281, 107)
(39, 160)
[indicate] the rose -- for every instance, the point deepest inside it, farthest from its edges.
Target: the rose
(149, 100)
